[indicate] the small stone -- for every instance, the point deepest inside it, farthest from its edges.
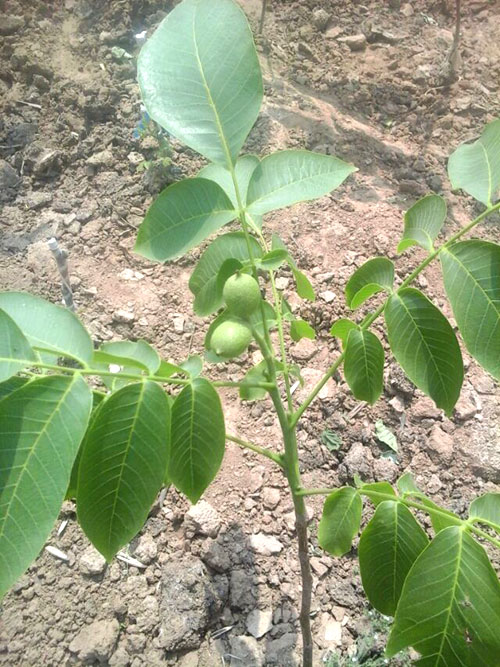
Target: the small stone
(179, 321)
(202, 519)
(246, 651)
(123, 316)
(259, 622)
(92, 562)
(424, 408)
(355, 42)
(146, 549)
(385, 470)
(334, 32)
(130, 274)
(96, 641)
(465, 409)
(358, 461)
(10, 24)
(318, 567)
(103, 158)
(282, 282)
(407, 10)
(47, 163)
(320, 18)
(330, 630)
(270, 497)
(304, 350)
(215, 556)
(440, 445)
(120, 658)
(280, 651)
(397, 404)
(265, 545)
(242, 596)
(135, 158)
(328, 296)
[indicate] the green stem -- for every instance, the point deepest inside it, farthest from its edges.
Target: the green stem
(369, 320)
(377, 495)
(131, 376)
(277, 458)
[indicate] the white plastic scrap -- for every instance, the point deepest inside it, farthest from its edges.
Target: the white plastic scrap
(62, 527)
(54, 551)
(129, 560)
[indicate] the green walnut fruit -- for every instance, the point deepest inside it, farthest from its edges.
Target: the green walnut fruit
(241, 294)
(230, 339)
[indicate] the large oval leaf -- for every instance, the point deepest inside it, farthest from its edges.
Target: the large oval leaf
(423, 342)
(340, 521)
(449, 610)
(48, 327)
(487, 508)
(476, 167)
(198, 438)
(41, 426)
(123, 465)
(388, 547)
(183, 215)
(373, 276)
(200, 77)
(204, 283)
(15, 351)
(471, 271)
(423, 222)
(287, 177)
(364, 365)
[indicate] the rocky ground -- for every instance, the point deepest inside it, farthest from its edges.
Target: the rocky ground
(218, 583)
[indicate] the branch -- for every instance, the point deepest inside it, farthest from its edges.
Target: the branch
(277, 458)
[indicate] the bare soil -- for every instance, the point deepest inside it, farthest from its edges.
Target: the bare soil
(68, 168)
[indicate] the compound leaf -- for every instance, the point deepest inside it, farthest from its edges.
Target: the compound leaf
(471, 271)
(423, 222)
(364, 365)
(476, 167)
(486, 507)
(123, 465)
(136, 351)
(200, 77)
(181, 217)
(198, 438)
(373, 276)
(425, 345)
(340, 521)
(287, 177)
(388, 547)
(15, 351)
(301, 329)
(48, 328)
(41, 426)
(449, 610)
(204, 282)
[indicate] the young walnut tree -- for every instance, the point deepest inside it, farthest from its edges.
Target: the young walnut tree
(156, 423)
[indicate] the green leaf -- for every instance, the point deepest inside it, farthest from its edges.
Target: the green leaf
(304, 288)
(476, 167)
(198, 438)
(388, 547)
(375, 275)
(341, 328)
(256, 374)
(10, 385)
(123, 465)
(423, 222)
(340, 521)
(378, 487)
(364, 365)
(301, 329)
(166, 369)
(41, 426)
(287, 177)
(193, 365)
(486, 507)
(423, 342)
(406, 484)
(244, 168)
(331, 440)
(15, 351)
(471, 271)
(386, 436)
(449, 610)
(138, 351)
(204, 279)
(181, 217)
(48, 327)
(441, 518)
(273, 260)
(200, 77)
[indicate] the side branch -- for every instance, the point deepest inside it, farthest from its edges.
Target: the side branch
(277, 458)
